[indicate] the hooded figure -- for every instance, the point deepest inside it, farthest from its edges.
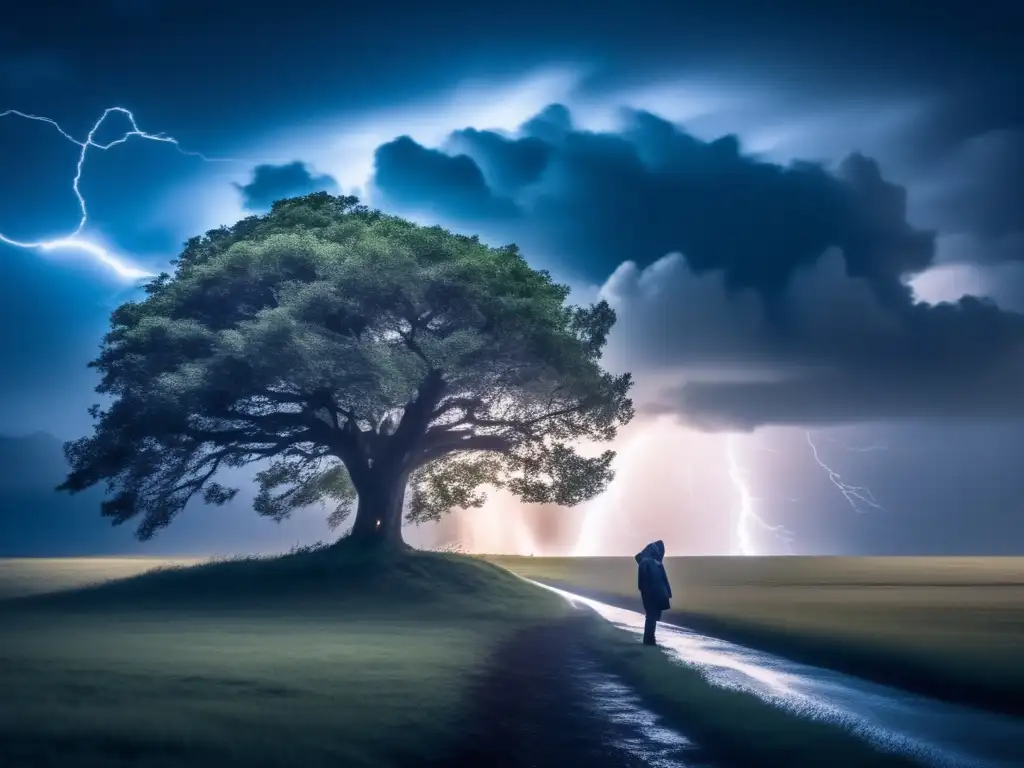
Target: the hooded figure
(652, 581)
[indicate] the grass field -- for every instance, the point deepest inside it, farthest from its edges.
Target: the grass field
(20, 577)
(304, 660)
(314, 659)
(950, 627)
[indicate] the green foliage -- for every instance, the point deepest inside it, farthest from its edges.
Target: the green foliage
(453, 482)
(352, 350)
(305, 483)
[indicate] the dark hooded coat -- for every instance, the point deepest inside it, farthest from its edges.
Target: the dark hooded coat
(652, 581)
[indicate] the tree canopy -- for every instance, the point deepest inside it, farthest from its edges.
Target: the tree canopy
(351, 354)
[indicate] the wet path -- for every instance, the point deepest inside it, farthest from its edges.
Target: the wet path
(628, 728)
(544, 702)
(933, 733)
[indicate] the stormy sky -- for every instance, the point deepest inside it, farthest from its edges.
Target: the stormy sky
(810, 222)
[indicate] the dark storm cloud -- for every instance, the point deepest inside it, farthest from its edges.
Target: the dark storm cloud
(980, 190)
(508, 165)
(849, 396)
(430, 181)
(792, 277)
(840, 356)
(275, 182)
(603, 198)
(977, 194)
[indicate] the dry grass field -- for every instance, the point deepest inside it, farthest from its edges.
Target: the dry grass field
(37, 575)
(950, 627)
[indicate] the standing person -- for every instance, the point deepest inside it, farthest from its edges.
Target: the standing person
(652, 581)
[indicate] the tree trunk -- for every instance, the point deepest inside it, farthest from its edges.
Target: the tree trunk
(379, 511)
(381, 482)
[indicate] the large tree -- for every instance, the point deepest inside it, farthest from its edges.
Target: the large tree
(352, 354)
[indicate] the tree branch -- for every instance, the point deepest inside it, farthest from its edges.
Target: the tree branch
(410, 342)
(193, 484)
(230, 436)
(415, 323)
(450, 442)
(524, 426)
(418, 410)
(467, 404)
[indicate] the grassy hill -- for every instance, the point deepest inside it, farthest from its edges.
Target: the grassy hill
(317, 658)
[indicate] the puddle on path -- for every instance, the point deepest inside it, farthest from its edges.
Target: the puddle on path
(629, 728)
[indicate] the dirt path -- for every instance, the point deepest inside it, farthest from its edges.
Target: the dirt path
(544, 702)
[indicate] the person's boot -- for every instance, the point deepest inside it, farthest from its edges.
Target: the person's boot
(648, 636)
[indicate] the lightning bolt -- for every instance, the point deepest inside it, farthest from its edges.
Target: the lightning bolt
(74, 239)
(855, 495)
(748, 517)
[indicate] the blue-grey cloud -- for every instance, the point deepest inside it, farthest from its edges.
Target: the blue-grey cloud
(841, 356)
(650, 189)
(819, 257)
(980, 191)
(426, 180)
(276, 182)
